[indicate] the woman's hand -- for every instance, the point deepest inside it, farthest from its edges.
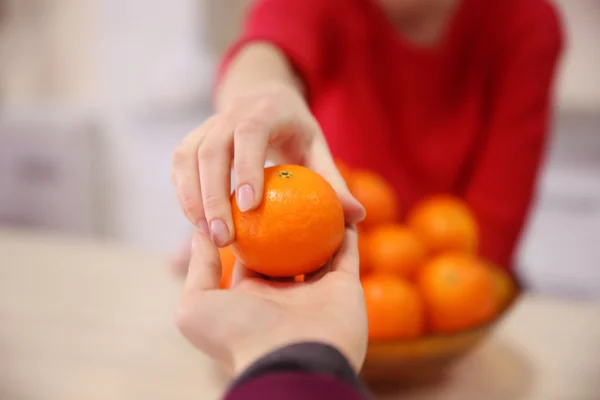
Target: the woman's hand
(272, 117)
(239, 325)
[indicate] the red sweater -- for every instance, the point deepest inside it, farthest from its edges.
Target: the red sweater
(469, 116)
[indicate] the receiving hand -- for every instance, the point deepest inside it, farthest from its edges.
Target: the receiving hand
(239, 325)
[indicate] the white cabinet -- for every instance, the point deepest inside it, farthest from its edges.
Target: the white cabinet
(48, 175)
(577, 87)
(560, 252)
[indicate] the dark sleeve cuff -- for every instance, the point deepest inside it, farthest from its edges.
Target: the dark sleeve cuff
(307, 357)
(294, 386)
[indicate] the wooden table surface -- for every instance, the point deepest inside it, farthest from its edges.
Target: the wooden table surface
(86, 320)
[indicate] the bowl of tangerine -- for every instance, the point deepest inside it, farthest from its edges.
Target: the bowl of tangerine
(430, 297)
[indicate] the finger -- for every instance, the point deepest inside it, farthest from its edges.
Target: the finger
(268, 126)
(319, 160)
(181, 260)
(204, 271)
(347, 260)
(186, 178)
(240, 273)
(251, 141)
(214, 162)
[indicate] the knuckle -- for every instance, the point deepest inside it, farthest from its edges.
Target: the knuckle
(207, 152)
(212, 120)
(191, 205)
(214, 205)
(214, 266)
(248, 128)
(215, 144)
(199, 134)
(216, 122)
(180, 156)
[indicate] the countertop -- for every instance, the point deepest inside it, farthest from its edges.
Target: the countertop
(81, 319)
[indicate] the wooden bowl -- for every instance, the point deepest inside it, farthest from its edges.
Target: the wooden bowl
(424, 359)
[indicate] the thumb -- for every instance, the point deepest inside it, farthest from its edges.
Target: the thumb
(347, 258)
(354, 212)
(204, 271)
(320, 160)
(202, 303)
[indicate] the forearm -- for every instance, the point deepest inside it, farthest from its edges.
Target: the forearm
(255, 64)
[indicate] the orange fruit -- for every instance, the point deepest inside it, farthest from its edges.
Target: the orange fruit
(395, 248)
(445, 223)
(297, 228)
(376, 195)
(363, 251)
(504, 286)
(227, 263)
(394, 308)
(458, 292)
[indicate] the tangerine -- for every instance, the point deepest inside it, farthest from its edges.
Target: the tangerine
(227, 263)
(297, 228)
(446, 224)
(504, 286)
(394, 308)
(395, 248)
(376, 195)
(457, 291)
(363, 250)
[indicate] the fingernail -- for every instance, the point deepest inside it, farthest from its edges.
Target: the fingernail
(203, 226)
(219, 232)
(245, 197)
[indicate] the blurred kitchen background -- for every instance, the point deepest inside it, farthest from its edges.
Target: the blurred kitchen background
(95, 94)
